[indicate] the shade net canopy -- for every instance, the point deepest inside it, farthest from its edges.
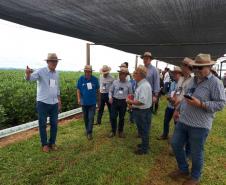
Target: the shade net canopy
(170, 29)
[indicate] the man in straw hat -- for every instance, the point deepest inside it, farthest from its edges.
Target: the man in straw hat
(87, 91)
(152, 75)
(141, 108)
(177, 73)
(48, 99)
(118, 93)
(106, 81)
(204, 97)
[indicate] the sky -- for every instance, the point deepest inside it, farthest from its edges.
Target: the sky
(21, 46)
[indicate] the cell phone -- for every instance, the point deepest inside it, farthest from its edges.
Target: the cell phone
(188, 96)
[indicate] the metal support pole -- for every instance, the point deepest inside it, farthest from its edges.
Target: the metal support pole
(136, 61)
(87, 53)
(221, 69)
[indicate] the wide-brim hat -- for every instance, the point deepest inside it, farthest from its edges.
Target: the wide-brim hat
(188, 61)
(141, 69)
(146, 54)
(52, 57)
(203, 60)
(88, 68)
(105, 69)
(123, 70)
(177, 70)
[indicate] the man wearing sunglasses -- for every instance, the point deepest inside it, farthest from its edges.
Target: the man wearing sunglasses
(205, 96)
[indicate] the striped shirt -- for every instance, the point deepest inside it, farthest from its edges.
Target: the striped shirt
(120, 90)
(211, 93)
(48, 87)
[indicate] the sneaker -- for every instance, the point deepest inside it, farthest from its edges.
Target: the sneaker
(53, 147)
(140, 152)
(112, 134)
(89, 136)
(45, 149)
(178, 174)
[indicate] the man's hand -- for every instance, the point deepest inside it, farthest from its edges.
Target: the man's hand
(28, 71)
(79, 101)
(59, 106)
(110, 100)
(130, 102)
(176, 115)
(194, 102)
(154, 99)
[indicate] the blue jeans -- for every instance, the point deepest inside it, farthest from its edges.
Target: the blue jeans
(88, 116)
(167, 118)
(142, 118)
(196, 138)
(44, 110)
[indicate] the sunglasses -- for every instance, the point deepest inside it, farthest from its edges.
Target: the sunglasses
(198, 67)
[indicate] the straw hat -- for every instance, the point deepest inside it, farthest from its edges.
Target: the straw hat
(187, 61)
(88, 68)
(52, 56)
(141, 69)
(203, 60)
(146, 54)
(177, 70)
(123, 70)
(105, 69)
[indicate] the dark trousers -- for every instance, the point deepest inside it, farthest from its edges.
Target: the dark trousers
(167, 118)
(103, 100)
(88, 116)
(44, 110)
(118, 108)
(142, 118)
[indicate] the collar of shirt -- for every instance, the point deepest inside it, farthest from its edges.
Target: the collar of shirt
(50, 70)
(205, 78)
(140, 82)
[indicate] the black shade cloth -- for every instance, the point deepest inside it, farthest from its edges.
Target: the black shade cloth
(170, 29)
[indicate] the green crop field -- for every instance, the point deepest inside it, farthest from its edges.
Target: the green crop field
(18, 97)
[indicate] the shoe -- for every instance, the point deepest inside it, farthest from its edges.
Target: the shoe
(138, 136)
(53, 147)
(140, 152)
(121, 135)
(191, 182)
(162, 137)
(112, 134)
(178, 174)
(45, 149)
(139, 145)
(89, 136)
(96, 123)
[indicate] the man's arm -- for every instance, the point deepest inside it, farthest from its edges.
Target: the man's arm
(31, 75)
(78, 96)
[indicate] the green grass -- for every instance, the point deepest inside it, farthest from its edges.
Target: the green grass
(106, 161)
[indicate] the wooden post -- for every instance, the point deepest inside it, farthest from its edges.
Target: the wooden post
(157, 63)
(136, 61)
(87, 54)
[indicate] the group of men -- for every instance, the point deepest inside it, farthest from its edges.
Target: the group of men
(192, 102)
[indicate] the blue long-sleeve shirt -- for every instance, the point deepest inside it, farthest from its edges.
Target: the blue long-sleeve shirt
(48, 87)
(153, 78)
